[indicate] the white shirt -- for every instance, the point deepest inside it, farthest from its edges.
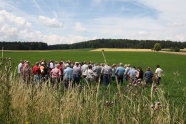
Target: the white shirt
(159, 72)
(84, 68)
(19, 67)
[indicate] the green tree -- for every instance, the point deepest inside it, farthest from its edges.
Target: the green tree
(157, 47)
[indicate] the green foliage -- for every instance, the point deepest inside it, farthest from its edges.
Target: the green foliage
(98, 43)
(157, 47)
(23, 45)
(174, 49)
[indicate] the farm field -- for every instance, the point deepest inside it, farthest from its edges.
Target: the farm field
(173, 82)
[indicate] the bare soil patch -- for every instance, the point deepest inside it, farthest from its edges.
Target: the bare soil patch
(115, 49)
(138, 50)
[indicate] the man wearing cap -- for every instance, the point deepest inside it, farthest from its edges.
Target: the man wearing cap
(120, 70)
(107, 72)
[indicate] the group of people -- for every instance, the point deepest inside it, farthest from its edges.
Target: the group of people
(76, 72)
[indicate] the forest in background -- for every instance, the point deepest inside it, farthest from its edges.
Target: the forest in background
(98, 43)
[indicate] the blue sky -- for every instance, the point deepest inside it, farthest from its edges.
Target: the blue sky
(71, 21)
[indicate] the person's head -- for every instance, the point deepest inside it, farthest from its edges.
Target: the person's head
(139, 68)
(148, 68)
(133, 67)
(57, 65)
(120, 64)
(77, 63)
(96, 64)
(37, 63)
(125, 65)
(157, 66)
(66, 65)
(89, 66)
(113, 65)
(42, 63)
(106, 63)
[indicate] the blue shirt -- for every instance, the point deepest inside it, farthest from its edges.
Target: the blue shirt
(120, 70)
(132, 73)
(68, 73)
(148, 75)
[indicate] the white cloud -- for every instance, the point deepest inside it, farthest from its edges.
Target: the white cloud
(79, 27)
(55, 39)
(166, 21)
(50, 22)
(142, 33)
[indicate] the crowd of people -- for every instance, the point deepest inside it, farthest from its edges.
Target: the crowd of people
(76, 72)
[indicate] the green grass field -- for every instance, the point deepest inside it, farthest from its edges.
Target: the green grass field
(173, 82)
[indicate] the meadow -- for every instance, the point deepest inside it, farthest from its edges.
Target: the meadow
(115, 104)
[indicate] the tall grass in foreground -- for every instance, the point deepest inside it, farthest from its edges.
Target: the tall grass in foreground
(133, 104)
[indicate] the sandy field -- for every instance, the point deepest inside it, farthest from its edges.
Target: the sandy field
(183, 52)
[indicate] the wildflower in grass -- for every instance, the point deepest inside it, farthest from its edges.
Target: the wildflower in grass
(157, 105)
(152, 106)
(109, 104)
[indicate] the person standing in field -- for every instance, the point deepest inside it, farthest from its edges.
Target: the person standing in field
(132, 74)
(158, 73)
(26, 72)
(55, 75)
(90, 75)
(140, 73)
(51, 64)
(61, 68)
(148, 76)
(84, 67)
(37, 73)
(127, 69)
(97, 72)
(120, 70)
(19, 67)
(107, 72)
(42, 67)
(76, 74)
(68, 75)
(113, 72)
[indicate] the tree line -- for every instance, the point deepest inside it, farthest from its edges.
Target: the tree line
(119, 43)
(23, 45)
(98, 43)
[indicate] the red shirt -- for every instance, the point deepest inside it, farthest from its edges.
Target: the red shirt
(36, 70)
